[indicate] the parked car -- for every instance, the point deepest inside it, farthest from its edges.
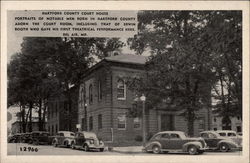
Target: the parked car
(216, 142)
(16, 138)
(25, 138)
(174, 141)
(232, 135)
(63, 138)
(88, 141)
(39, 137)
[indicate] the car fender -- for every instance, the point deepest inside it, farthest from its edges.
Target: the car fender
(149, 145)
(230, 143)
(195, 143)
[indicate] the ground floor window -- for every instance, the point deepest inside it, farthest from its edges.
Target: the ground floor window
(91, 123)
(83, 124)
(137, 123)
(239, 129)
(121, 121)
(99, 121)
(201, 123)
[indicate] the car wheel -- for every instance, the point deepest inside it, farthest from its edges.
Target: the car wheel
(224, 147)
(54, 143)
(101, 149)
(86, 147)
(36, 142)
(156, 149)
(200, 152)
(73, 145)
(66, 143)
(192, 150)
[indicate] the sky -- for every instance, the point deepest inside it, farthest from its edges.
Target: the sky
(14, 46)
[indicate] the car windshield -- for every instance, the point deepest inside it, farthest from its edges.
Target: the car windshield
(90, 135)
(222, 134)
(231, 134)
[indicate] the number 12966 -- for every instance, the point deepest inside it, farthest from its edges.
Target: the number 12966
(28, 149)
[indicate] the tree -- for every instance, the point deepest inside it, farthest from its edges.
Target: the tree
(180, 71)
(48, 67)
(225, 31)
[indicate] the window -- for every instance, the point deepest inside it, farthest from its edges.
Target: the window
(99, 90)
(99, 121)
(137, 123)
(222, 134)
(239, 129)
(231, 134)
(215, 129)
(202, 123)
(211, 136)
(174, 136)
(204, 135)
(83, 124)
(214, 119)
(121, 90)
(49, 129)
(56, 128)
(121, 121)
(52, 129)
(82, 96)
(91, 123)
(90, 93)
(165, 136)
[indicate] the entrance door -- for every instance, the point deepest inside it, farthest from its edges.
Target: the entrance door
(167, 123)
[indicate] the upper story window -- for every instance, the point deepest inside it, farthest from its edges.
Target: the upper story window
(99, 90)
(121, 89)
(82, 96)
(90, 93)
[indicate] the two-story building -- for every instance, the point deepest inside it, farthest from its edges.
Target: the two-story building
(104, 101)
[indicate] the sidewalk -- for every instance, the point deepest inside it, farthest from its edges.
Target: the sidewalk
(129, 150)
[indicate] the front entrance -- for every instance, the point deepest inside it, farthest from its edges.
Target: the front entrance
(167, 122)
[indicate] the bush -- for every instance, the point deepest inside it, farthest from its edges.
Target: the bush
(138, 138)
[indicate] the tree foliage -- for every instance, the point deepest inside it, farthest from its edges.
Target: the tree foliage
(48, 67)
(185, 47)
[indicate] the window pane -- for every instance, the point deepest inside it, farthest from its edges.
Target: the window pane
(90, 123)
(90, 94)
(99, 121)
(120, 89)
(121, 121)
(137, 123)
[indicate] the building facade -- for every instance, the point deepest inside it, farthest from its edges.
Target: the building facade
(104, 101)
(62, 114)
(235, 123)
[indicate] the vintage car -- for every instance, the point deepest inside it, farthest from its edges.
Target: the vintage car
(16, 138)
(232, 135)
(216, 142)
(25, 138)
(39, 137)
(63, 138)
(88, 141)
(174, 141)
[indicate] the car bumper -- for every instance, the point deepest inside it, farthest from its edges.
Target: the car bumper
(96, 147)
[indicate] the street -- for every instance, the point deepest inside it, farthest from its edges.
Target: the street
(27, 149)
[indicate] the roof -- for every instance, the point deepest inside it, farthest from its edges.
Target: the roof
(128, 58)
(225, 131)
(174, 132)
